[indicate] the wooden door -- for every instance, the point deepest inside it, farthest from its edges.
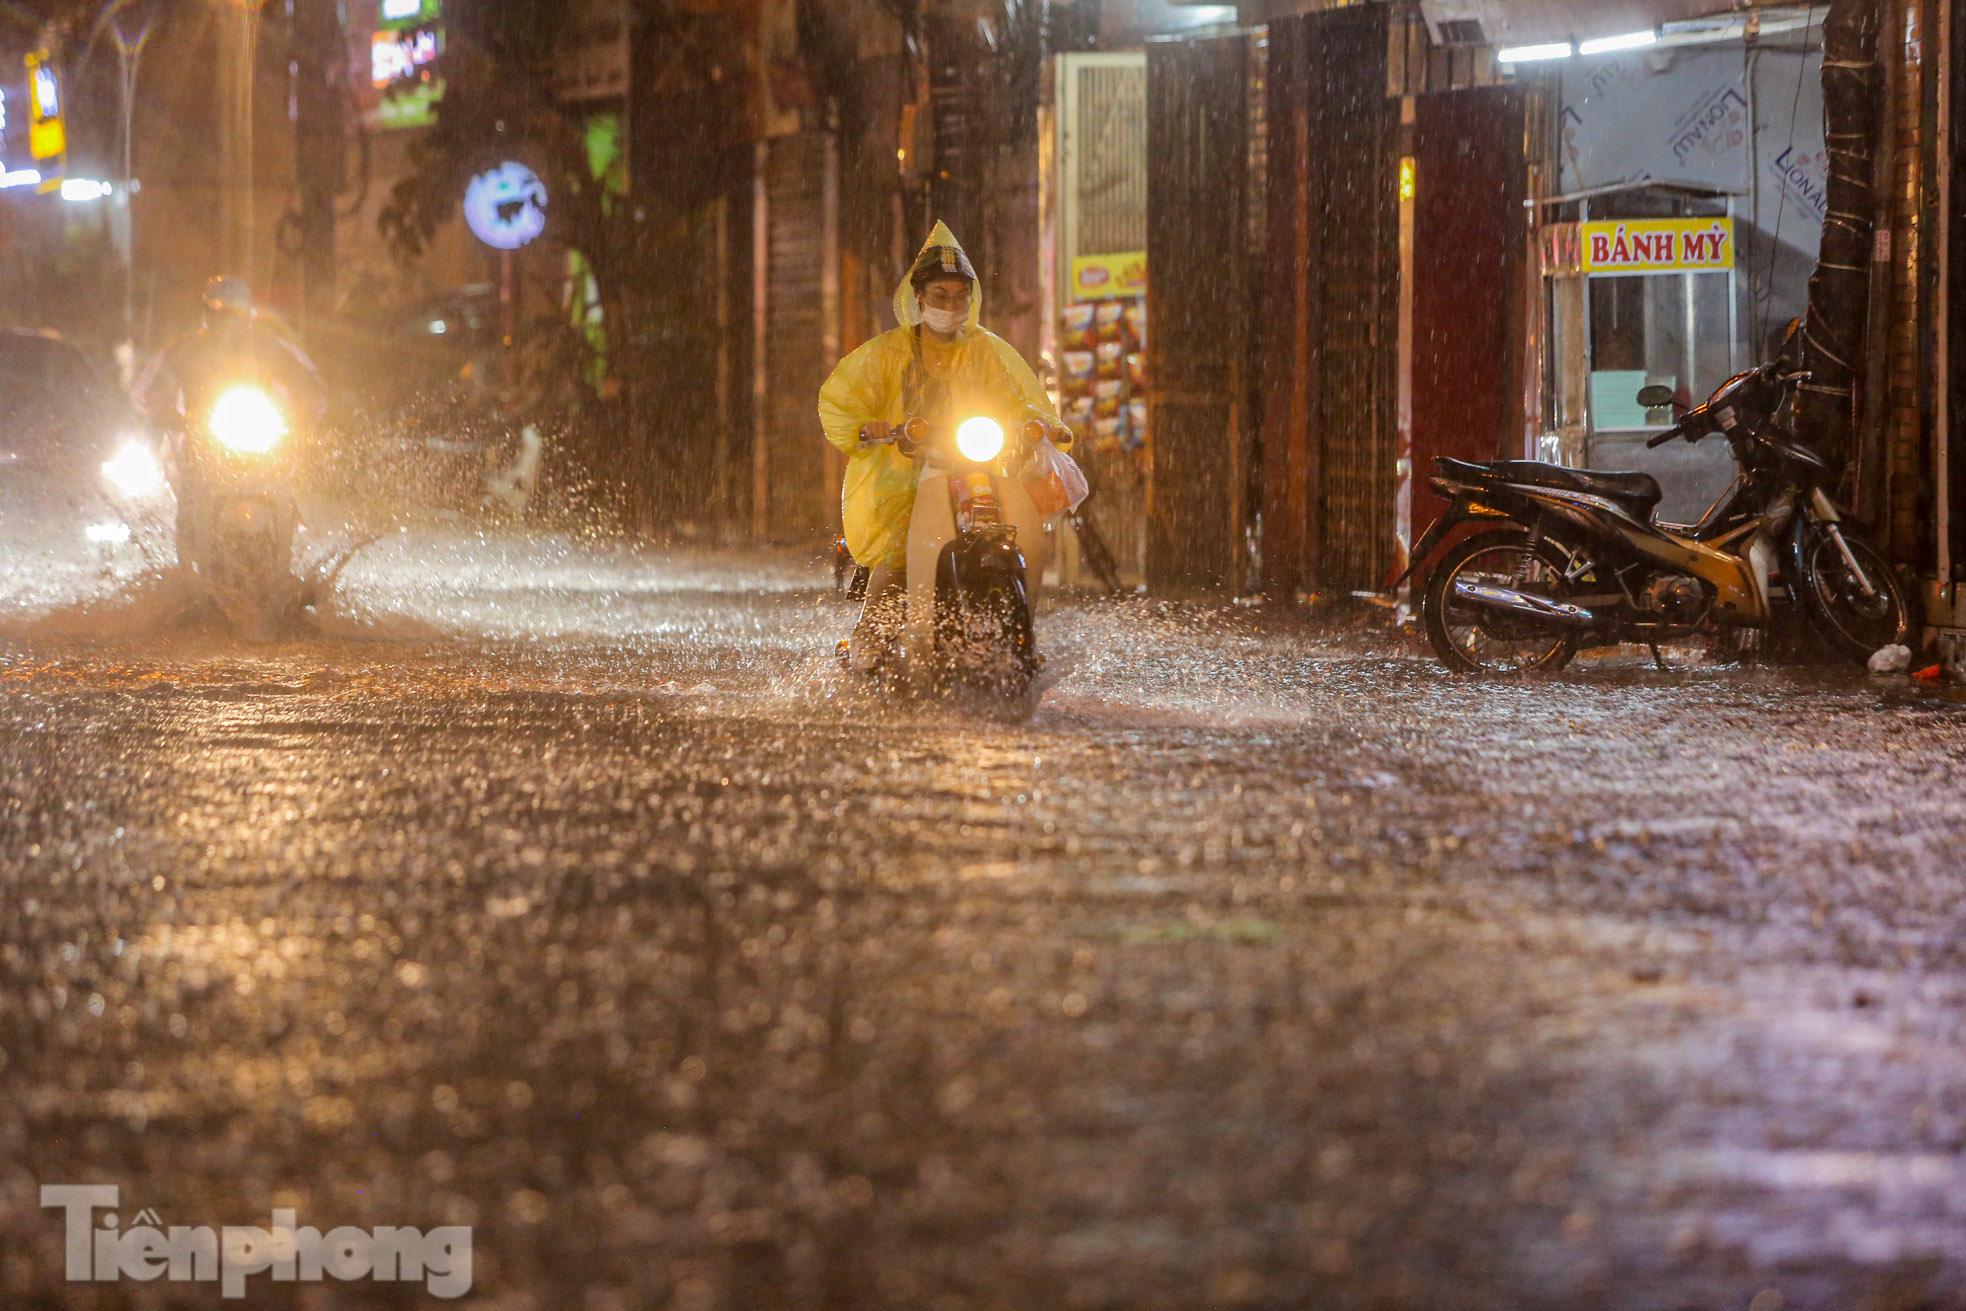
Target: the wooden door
(1468, 229)
(1197, 309)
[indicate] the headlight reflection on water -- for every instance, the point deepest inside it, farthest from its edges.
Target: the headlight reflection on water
(108, 534)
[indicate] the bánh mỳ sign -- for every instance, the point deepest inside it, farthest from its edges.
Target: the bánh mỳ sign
(1658, 246)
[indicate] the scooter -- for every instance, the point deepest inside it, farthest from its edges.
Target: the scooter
(1577, 558)
(233, 471)
(967, 617)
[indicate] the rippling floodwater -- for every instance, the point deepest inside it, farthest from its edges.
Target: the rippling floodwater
(568, 891)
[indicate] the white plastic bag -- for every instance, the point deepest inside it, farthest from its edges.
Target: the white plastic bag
(1890, 660)
(1054, 480)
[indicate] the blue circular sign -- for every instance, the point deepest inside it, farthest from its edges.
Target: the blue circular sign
(506, 207)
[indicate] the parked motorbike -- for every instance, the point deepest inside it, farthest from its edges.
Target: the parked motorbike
(233, 472)
(1577, 559)
(967, 618)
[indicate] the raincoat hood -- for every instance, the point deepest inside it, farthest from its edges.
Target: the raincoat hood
(943, 251)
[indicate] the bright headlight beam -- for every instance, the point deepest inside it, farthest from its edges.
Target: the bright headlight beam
(1605, 45)
(1534, 54)
(134, 471)
(247, 422)
(980, 439)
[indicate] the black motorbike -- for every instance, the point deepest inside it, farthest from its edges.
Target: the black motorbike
(967, 619)
(1577, 560)
(234, 474)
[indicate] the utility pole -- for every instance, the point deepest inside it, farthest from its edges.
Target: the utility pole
(129, 53)
(320, 61)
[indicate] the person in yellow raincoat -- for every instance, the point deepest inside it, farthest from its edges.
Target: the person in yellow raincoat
(939, 364)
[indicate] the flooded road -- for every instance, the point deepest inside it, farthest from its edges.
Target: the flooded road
(569, 893)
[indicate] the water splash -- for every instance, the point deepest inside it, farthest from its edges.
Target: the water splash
(129, 587)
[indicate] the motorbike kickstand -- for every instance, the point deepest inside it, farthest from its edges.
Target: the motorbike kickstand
(1658, 659)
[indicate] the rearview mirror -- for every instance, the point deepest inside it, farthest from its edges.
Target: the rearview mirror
(1656, 397)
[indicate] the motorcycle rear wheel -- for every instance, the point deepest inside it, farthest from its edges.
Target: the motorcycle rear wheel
(1474, 641)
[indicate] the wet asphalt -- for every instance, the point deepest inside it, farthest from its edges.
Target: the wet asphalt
(567, 892)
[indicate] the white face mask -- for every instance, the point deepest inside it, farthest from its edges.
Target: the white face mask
(946, 322)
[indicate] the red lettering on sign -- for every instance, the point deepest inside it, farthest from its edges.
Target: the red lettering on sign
(1600, 250)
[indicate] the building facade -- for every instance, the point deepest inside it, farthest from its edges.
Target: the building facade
(1462, 254)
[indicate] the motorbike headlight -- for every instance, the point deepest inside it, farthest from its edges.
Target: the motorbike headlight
(980, 439)
(247, 422)
(134, 471)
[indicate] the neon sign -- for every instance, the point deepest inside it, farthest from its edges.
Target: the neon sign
(401, 56)
(47, 92)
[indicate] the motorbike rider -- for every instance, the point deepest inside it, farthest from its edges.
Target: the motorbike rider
(235, 344)
(938, 364)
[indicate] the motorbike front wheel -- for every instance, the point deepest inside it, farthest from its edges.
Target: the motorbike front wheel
(1475, 639)
(244, 563)
(1853, 619)
(986, 642)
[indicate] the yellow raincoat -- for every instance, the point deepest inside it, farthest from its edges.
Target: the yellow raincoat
(983, 374)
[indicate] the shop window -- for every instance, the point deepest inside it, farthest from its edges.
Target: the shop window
(1674, 329)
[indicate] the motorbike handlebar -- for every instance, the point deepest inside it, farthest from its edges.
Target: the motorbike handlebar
(1664, 437)
(917, 432)
(908, 436)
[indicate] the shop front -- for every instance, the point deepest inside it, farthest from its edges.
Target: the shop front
(1094, 269)
(1679, 245)
(1638, 301)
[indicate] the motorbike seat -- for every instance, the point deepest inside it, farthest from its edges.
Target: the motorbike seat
(1640, 491)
